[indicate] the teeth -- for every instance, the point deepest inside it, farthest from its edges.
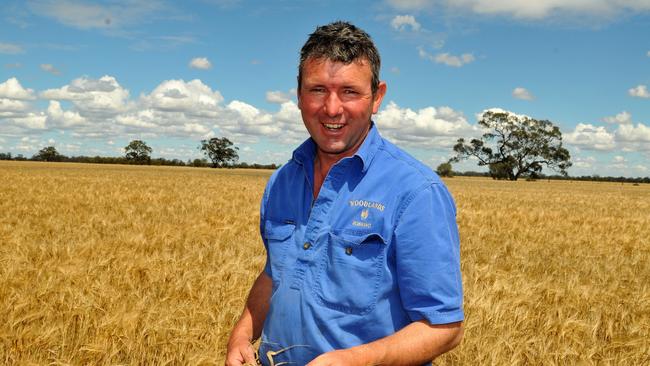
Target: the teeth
(332, 127)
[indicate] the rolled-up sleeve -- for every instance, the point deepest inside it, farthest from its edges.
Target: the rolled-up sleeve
(427, 250)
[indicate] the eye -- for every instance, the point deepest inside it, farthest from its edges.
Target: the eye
(317, 90)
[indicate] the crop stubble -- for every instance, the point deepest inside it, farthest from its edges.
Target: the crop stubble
(103, 264)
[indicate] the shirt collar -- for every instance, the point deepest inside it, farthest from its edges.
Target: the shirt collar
(304, 154)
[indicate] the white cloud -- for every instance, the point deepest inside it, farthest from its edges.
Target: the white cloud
(10, 48)
(191, 97)
(446, 58)
(279, 97)
(92, 96)
(622, 118)
(248, 121)
(428, 127)
(640, 91)
(31, 121)
(195, 129)
(402, 22)
(57, 116)
(648, 54)
(14, 106)
(541, 9)
(290, 121)
(9, 107)
(101, 108)
(51, 69)
(522, 93)
(192, 109)
(28, 144)
(590, 137)
(144, 119)
(201, 63)
(619, 159)
(580, 162)
(11, 89)
(455, 61)
(630, 133)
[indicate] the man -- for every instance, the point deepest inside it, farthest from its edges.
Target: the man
(362, 245)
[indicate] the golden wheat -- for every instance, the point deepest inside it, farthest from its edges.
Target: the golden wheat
(103, 264)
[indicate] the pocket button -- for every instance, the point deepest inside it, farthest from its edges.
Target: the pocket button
(348, 250)
(306, 246)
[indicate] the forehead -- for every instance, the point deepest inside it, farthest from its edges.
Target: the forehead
(320, 69)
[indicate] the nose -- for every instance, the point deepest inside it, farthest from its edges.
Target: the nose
(333, 106)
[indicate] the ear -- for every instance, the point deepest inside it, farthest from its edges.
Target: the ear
(378, 97)
(298, 98)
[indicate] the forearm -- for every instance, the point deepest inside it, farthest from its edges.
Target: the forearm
(415, 344)
(251, 321)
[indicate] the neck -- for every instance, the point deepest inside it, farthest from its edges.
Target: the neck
(323, 162)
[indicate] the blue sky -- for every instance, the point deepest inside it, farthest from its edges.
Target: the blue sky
(88, 77)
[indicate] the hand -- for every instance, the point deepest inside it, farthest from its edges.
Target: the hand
(240, 353)
(345, 357)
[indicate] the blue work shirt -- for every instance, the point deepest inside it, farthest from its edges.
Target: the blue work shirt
(376, 250)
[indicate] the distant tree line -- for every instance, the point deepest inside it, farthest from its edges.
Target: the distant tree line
(514, 147)
(445, 170)
(221, 151)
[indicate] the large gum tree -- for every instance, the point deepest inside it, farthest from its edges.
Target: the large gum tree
(514, 146)
(221, 151)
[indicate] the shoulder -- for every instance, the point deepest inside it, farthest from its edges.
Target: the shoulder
(285, 173)
(403, 179)
(411, 171)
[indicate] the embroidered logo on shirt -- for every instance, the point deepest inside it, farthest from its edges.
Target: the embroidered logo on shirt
(361, 224)
(367, 204)
(364, 214)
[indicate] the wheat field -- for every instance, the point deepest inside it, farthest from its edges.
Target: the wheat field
(112, 265)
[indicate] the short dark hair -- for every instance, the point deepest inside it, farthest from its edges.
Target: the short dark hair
(341, 42)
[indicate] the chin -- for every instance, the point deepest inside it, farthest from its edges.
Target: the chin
(330, 147)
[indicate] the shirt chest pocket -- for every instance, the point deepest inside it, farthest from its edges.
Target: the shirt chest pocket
(349, 272)
(278, 235)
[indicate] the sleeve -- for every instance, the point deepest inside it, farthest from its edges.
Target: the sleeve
(267, 266)
(428, 256)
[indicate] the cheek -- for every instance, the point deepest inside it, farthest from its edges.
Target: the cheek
(311, 108)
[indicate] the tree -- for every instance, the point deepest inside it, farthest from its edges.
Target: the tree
(445, 170)
(220, 151)
(138, 152)
(515, 146)
(198, 163)
(48, 153)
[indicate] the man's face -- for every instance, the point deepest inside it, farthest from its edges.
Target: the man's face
(336, 103)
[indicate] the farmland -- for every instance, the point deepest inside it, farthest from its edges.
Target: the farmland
(106, 264)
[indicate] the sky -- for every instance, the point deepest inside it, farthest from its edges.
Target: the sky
(89, 76)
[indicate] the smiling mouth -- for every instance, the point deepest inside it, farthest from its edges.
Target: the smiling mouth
(332, 127)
